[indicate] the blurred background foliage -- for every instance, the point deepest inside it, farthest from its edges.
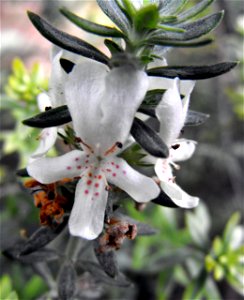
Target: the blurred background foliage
(200, 244)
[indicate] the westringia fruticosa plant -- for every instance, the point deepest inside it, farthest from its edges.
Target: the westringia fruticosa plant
(114, 112)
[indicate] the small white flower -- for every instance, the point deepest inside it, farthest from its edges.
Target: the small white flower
(53, 98)
(172, 112)
(102, 104)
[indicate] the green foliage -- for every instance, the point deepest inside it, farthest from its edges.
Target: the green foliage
(6, 289)
(24, 85)
(225, 259)
(22, 90)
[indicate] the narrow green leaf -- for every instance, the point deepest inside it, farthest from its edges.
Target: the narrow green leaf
(129, 8)
(90, 26)
(193, 30)
(169, 43)
(192, 72)
(195, 288)
(195, 118)
(52, 117)
(171, 28)
(169, 7)
(113, 47)
(194, 11)
(115, 13)
(148, 139)
(230, 226)
(153, 97)
(65, 40)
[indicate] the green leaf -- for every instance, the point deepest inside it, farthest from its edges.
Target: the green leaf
(65, 40)
(113, 47)
(146, 17)
(52, 117)
(195, 288)
(129, 8)
(34, 287)
(115, 13)
(164, 200)
(169, 43)
(169, 7)
(194, 11)
(211, 291)
(5, 286)
(198, 224)
(148, 139)
(230, 226)
(153, 97)
(90, 26)
(192, 72)
(195, 118)
(193, 30)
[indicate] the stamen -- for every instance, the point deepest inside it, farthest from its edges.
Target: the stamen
(113, 148)
(176, 146)
(48, 108)
(79, 140)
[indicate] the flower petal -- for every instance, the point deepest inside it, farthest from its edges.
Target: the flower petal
(163, 169)
(47, 138)
(43, 101)
(170, 114)
(48, 170)
(185, 86)
(125, 88)
(87, 215)
(56, 82)
(184, 151)
(178, 196)
(83, 90)
(138, 186)
(102, 109)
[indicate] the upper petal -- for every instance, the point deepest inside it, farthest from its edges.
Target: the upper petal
(124, 91)
(43, 101)
(184, 151)
(178, 196)
(87, 215)
(138, 186)
(56, 82)
(170, 114)
(47, 139)
(103, 103)
(48, 170)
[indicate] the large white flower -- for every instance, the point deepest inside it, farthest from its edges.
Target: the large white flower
(102, 104)
(172, 112)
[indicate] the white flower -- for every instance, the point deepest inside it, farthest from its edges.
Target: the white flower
(172, 112)
(53, 98)
(102, 104)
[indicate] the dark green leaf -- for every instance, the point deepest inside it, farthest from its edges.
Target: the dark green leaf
(22, 173)
(65, 40)
(193, 30)
(192, 72)
(164, 200)
(107, 260)
(195, 118)
(194, 11)
(114, 12)
(113, 47)
(195, 288)
(52, 117)
(67, 281)
(100, 275)
(67, 65)
(153, 97)
(42, 237)
(171, 43)
(148, 139)
(169, 7)
(90, 26)
(147, 111)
